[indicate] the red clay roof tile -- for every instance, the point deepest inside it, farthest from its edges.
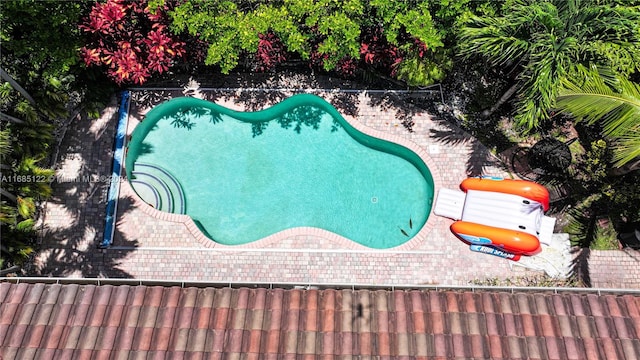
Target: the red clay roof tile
(106, 338)
(52, 336)
(461, 346)
(522, 301)
(452, 302)
(559, 304)
(613, 307)
(611, 348)
(577, 305)
(571, 347)
(5, 289)
(419, 323)
(435, 301)
(401, 343)
(542, 305)
(75, 321)
(471, 302)
(454, 322)
(496, 346)
(590, 347)
(624, 328)
(510, 327)
(566, 325)
(630, 348)
(495, 325)
(201, 317)
(535, 347)
(516, 347)
(555, 348)
(603, 328)
(505, 303)
(595, 306)
(476, 323)
(548, 325)
(630, 302)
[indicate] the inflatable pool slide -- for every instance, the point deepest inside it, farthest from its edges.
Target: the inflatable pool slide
(501, 217)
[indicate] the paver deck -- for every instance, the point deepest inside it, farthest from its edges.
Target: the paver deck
(151, 248)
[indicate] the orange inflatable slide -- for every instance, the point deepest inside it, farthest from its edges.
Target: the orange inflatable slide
(497, 216)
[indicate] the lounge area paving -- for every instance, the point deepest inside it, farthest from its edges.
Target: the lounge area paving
(146, 247)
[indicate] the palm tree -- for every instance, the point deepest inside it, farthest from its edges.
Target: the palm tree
(613, 101)
(547, 42)
(6, 77)
(23, 145)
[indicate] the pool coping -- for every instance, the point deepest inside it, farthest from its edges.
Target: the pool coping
(343, 242)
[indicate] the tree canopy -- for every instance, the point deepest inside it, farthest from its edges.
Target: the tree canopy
(552, 41)
(39, 40)
(397, 37)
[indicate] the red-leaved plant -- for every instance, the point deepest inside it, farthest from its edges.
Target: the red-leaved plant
(376, 52)
(271, 52)
(130, 39)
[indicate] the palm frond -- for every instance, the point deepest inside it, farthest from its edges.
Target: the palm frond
(627, 148)
(5, 143)
(581, 227)
(618, 109)
(493, 39)
(542, 78)
(551, 38)
(595, 101)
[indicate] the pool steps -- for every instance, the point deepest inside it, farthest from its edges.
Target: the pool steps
(158, 188)
(148, 192)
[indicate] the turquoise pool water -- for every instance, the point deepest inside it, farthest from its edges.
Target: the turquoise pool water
(245, 176)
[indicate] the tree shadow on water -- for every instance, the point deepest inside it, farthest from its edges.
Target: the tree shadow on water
(187, 117)
(145, 149)
(257, 93)
(301, 116)
(296, 119)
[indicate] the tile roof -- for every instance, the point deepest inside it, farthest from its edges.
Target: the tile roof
(76, 321)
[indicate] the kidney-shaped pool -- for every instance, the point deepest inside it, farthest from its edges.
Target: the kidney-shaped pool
(242, 176)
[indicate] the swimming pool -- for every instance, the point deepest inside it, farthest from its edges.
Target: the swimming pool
(244, 176)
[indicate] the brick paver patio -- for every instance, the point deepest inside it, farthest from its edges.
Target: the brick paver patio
(149, 248)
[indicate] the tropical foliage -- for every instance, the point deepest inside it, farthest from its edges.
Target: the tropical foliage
(130, 40)
(38, 57)
(546, 43)
(611, 105)
(395, 38)
(612, 101)
(617, 204)
(24, 143)
(39, 39)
